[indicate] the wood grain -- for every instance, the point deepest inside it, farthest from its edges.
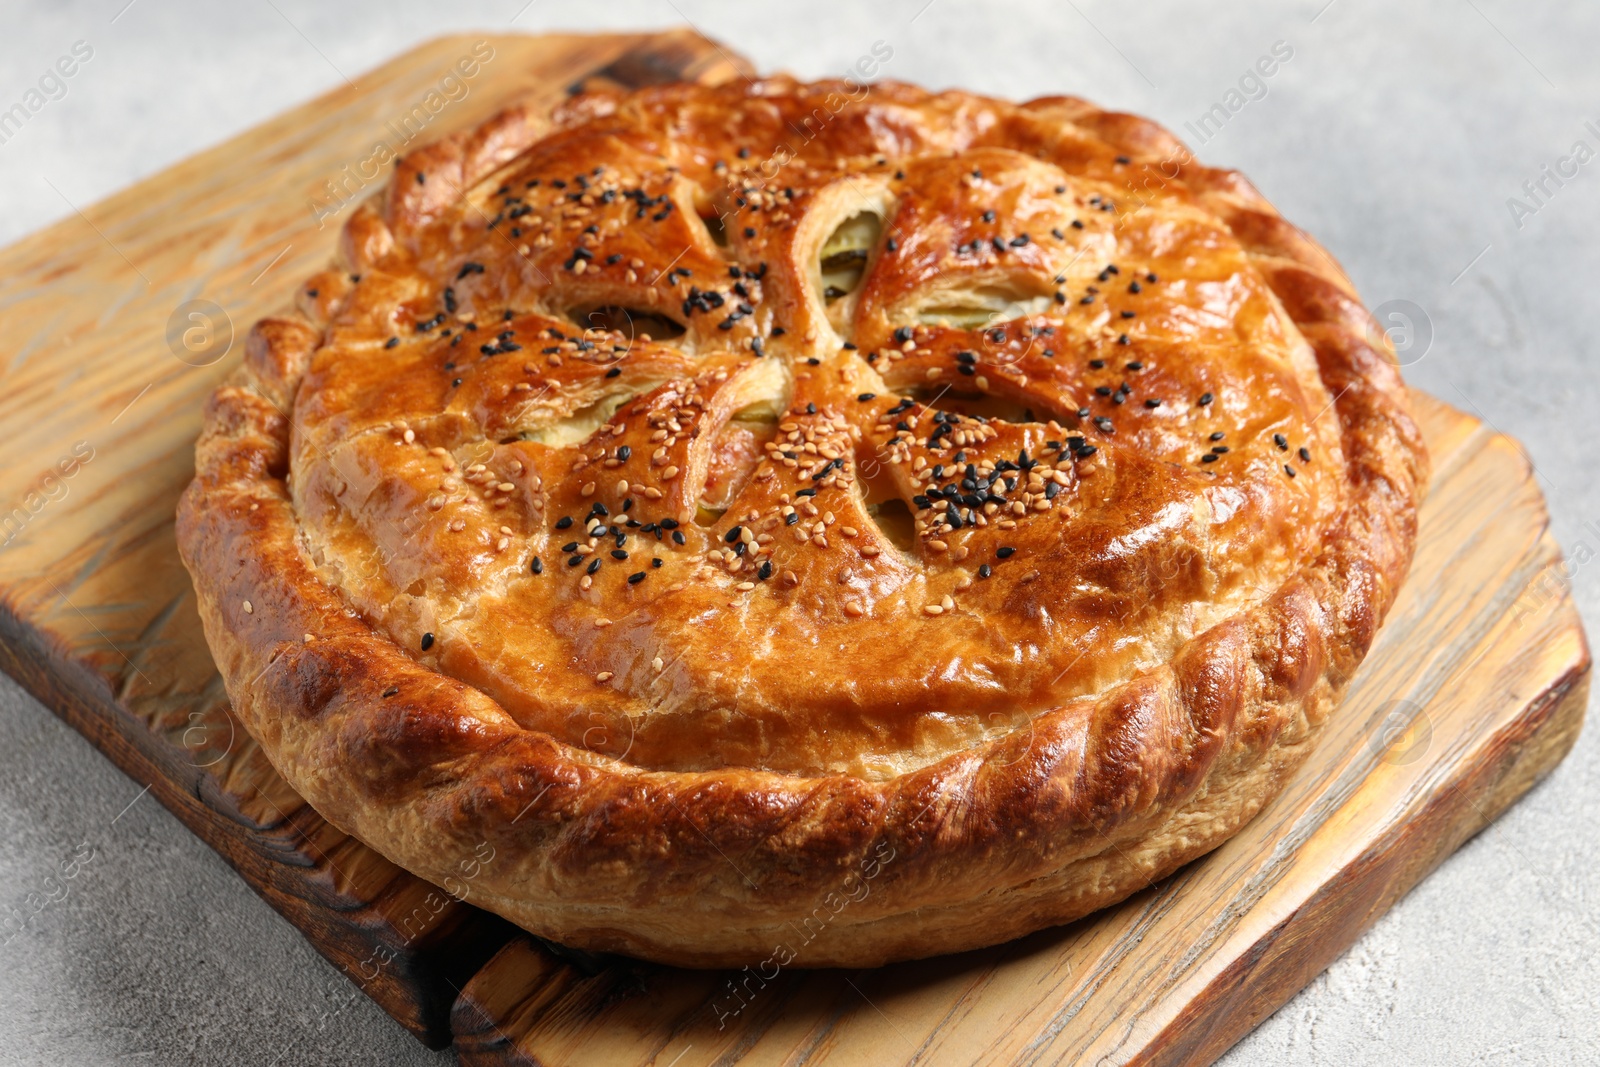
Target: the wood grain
(1475, 689)
(1484, 650)
(97, 615)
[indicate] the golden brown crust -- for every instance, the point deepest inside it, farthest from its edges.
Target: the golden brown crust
(962, 599)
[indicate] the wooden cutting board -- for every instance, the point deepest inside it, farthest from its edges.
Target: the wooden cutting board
(1475, 689)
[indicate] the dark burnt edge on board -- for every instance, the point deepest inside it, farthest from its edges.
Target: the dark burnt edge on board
(673, 55)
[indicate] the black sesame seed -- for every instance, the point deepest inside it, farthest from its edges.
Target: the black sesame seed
(1281, 441)
(594, 565)
(678, 538)
(636, 577)
(1205, 399)
(427, 641)
(1288, 470)
(1219, 435)
(391, 342)
(1305, 455)
(1005, 552)
(1209, 457)
(985, 570)
(538, 565)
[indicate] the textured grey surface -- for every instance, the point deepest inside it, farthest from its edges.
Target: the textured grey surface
(1396, 134)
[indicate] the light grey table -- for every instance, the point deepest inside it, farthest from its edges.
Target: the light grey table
(1399, 133)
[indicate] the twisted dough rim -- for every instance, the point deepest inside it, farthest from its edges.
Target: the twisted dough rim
(1095, 800)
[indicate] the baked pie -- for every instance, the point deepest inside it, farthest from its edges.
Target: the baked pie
(787, 521)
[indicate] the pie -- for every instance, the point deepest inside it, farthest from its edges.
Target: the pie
(802, 523)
